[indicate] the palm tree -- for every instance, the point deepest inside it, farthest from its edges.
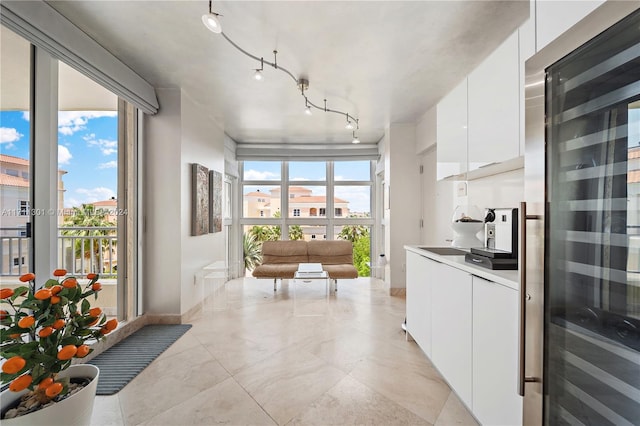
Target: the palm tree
(251, 250)
(353, 232)
(85, 218)
(295, 232)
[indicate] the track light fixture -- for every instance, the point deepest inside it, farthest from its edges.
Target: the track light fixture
(355, 138)
(258, 74)
(211, 21)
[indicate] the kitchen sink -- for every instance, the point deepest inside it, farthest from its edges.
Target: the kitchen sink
(445, 251)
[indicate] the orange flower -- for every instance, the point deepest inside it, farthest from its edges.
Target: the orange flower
(58, 324)
(70, 283)
(112, 324)
(26, 322)
(20, 383)
(27, 277)
(43, 294)
(6, 293)
(13, 365)
(96, 287)
(56, 289)
(46, 332)
(59, 272)
(67, 352)
(91, 276)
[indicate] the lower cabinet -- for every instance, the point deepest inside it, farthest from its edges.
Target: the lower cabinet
(451, 340)
(495, 354)
(419, 274)
(468, 327)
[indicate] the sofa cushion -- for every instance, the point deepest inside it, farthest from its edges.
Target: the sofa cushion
(341, 271)
(280, 270)
(330, 252)
(276, 252)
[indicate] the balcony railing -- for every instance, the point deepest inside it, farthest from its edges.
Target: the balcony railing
(81, 249)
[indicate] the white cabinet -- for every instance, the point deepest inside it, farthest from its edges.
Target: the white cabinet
(495, 354)
(451, 340)
(494, 107)
(452, 133)
(419, 273)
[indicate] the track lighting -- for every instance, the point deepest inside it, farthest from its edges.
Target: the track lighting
(355, 138)
(349, 125)
(258, 74)
(211, 21)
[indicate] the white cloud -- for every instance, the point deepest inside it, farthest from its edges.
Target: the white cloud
(9, 135)
(256, 175)
(91, 195)
(107, 146)
(26, 116)
(70, 122)
(108, 165)
(359, 197)
(64, 155)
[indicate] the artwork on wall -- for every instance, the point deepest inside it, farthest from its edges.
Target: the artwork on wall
(215, 201)
(199, 199)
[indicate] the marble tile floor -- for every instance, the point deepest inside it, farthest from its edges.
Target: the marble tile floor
(299, 356)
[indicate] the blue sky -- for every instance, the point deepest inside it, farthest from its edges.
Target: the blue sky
(87, 150)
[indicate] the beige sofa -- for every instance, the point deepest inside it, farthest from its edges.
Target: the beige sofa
(280, 259)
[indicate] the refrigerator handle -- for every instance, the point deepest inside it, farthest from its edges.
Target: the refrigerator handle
(524, 296)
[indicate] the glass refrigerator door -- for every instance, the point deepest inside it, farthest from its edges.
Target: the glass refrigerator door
(592, 266)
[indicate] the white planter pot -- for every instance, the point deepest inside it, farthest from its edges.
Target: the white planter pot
(75, 410)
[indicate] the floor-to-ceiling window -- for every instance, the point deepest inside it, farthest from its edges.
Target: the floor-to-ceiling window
(89, 219)
(15, 155)
(309, 200)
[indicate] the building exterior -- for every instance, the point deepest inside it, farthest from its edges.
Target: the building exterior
(302, 203)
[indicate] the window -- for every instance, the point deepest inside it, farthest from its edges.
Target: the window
(313, 236)
(292, 195)
(18, 261)
(25, 175)
(261, 213)
(296, 212)
(323, 211)
(338, 212)
(12, 172)
(24, 208)
(313, 211)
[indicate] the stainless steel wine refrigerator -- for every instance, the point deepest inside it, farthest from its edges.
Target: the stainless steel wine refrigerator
(580, 225)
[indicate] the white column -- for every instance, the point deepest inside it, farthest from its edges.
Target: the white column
(44, 163)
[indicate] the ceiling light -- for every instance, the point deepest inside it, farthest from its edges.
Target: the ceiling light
(258, 74)
(349, 125)
(210, 20)
(307, 110)
(355, 138)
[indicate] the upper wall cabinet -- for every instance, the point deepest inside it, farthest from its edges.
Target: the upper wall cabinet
(494, 107)
(452, 133)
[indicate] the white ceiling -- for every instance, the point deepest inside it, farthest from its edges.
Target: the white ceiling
(382, 61)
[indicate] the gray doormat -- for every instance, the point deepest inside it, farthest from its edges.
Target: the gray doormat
(125, 360)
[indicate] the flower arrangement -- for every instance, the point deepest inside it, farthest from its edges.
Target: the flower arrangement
(45, 328)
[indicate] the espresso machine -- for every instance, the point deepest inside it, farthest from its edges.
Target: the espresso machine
(501, 241)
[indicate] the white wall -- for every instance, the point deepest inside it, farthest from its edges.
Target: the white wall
(426, 131)
(162, 188)
(403, 178)
(180, 134)
(203, 143)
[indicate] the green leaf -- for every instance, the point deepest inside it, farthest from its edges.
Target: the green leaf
(18, 292)
(50, 283)
(85, 307)
(71, 340)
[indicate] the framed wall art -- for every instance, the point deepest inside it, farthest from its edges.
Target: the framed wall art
(199, 199)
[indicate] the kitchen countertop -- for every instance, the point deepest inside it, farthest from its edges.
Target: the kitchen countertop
(507, 278)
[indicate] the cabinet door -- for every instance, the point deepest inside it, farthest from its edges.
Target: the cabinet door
(452, 133)
(451, 328)
(494, 107)
(495, 354)
(419, 300)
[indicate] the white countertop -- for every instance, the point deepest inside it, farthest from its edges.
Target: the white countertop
(507, 278)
